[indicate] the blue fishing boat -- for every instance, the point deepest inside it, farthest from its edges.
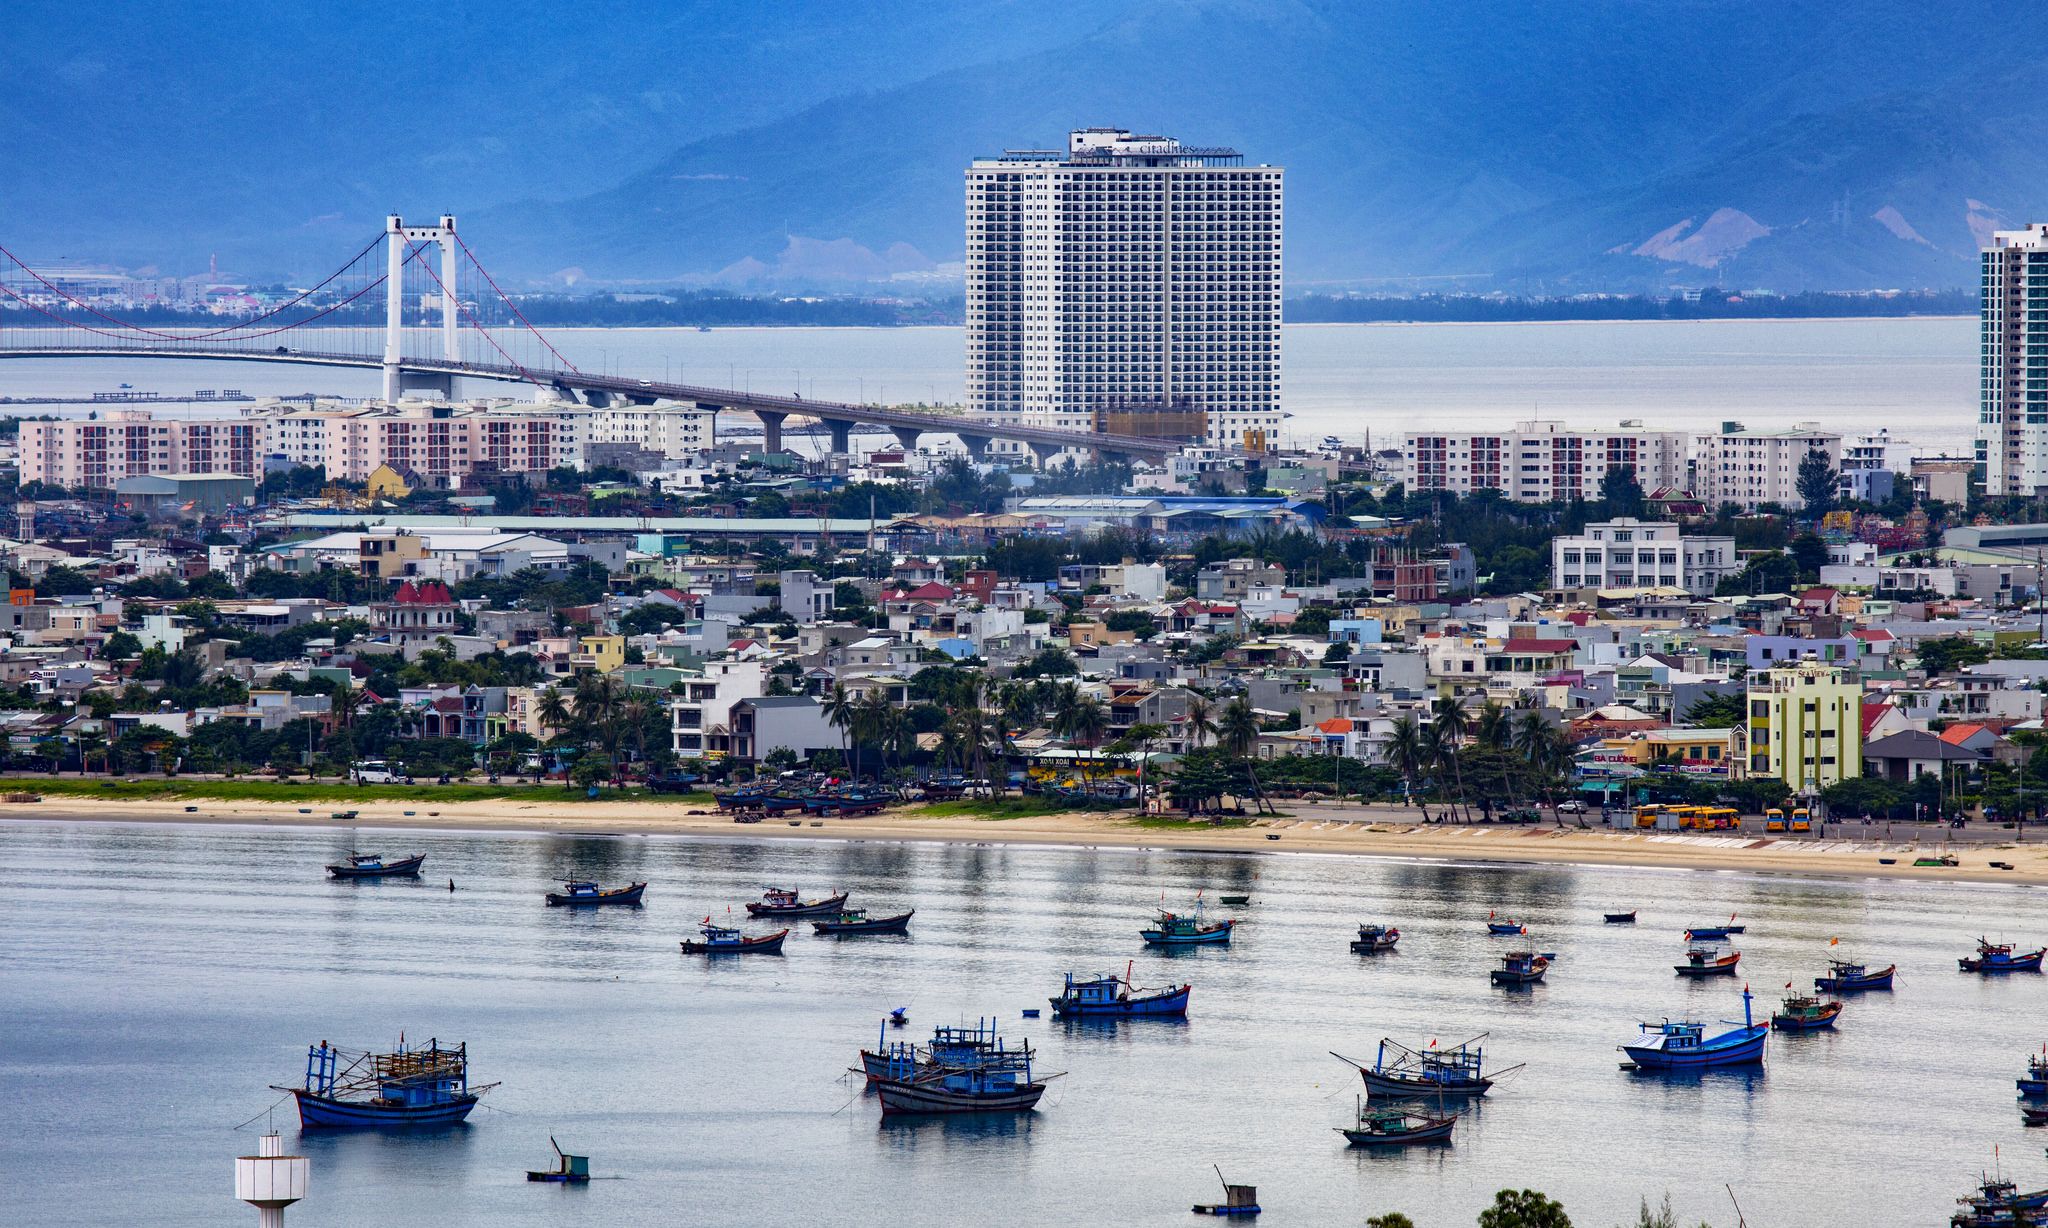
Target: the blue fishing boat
(1372, 939)
(1504, 925)
(778, 903)
(1998, 1203)
(1171, 929)
(1706, 961)
(1686, 1046)
(1518, 968)
(1715, 933)
(995, 1078)
(1114, 997)
(857, 921)
(721, 940)
(1238, 1201)
(1805, 1014)
(568, 1169)
(746, 797)
(2033, 1085)
(1429, 1072)
(419, 1086)
(1994, 958)
(950, 1046)
(590, 895)
(370, 865)
(1846, 977)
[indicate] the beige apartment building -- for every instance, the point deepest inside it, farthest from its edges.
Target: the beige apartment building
(1540, 461)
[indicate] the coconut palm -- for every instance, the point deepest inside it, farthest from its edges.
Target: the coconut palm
(839, 713)
(1408, 753)
(1200, 721)
(553, 710)
(1494, 726)
(1448, 725)
(1238, 733)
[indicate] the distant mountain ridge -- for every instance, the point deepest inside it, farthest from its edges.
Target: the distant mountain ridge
(1445, 146)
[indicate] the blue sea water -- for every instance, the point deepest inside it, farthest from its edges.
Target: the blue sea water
(155, 979)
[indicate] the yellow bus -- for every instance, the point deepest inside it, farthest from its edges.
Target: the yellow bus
(1802, 820)
(1774, 820)
(1718, 818)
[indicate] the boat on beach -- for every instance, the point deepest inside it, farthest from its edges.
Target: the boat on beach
(1115, 997)
(1519, 968)
(371, 865)
(1171, 929)
(1373, 939)
(1401, 1124)
(1684, 1045)
(590, 895)
(1993, 958)
(1803, 1013)
(408, 1087)
(1844, 976)
(779, 903)
(1704, 961)
(1398, 1070)
(857, 921)
(722, 940)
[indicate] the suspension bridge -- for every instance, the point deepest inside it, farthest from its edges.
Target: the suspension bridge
(425, 312)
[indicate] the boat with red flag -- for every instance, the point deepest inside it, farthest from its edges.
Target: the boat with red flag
(1705, 961)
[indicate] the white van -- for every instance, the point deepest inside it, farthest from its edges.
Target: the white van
(378, 772)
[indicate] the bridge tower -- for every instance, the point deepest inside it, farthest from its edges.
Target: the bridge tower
(398, 238)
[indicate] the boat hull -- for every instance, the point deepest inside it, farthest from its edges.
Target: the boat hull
(1171, 1004)
(618, 895)
(1807, 1023)
(1377, 1084)
(1220, 935)
(1501, 976)
(810, 908)
(1493, 927)
(1855, 984)
(1619, 918)
(770, 944)
(879, 925)
(1747, 1051)
(1372, 946)
(1719, 967)
(322, 1113)
(406, 867)
(1435, 1132)
(1998, 966)
(900, 1098)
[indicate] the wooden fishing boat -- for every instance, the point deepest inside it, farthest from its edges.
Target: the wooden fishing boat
(589, 895)
(1373, 939)
(1619, 918)
(1504, 925)
(1846, 977)
(2032, 1114)
(1715, 933)
(1707, 961)
(1432, 1072)
(1998, 1203)
(1802, 1013)
(1995, 958)
(1236, 901)
(1114, 997)
(1520, 968)
(857, 921)
(1398, 1125)
(1170, 929)
(950, 1046)
(785, 904)
(370, 865)
(1686, 1046)
(2033, 1085)
(994, 1079)
(719, 940)
(409, 1087)
(568, 1169)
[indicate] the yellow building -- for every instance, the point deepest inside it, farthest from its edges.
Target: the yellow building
(1806, 724)
(385, 482)
(1714, 754)
(603, 653)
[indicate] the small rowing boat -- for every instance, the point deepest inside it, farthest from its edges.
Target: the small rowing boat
(1504, 925)
(589, 895)
(1397, 1125)
(1620, 918)
(1715, 933)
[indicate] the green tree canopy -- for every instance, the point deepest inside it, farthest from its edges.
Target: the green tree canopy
(1524, 1209)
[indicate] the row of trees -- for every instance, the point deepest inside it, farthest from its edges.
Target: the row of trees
(1498, 755)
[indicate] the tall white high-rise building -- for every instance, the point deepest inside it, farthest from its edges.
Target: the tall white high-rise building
(1126, 284)
(2012, 414)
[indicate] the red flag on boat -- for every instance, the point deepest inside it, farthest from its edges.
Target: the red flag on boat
(1788, 984)
(1834, 942)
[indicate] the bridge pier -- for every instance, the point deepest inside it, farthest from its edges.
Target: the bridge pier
(977, 447)
(771, 429)
(907, 436)
(842, 436)
(435, 385)
(1042, 453)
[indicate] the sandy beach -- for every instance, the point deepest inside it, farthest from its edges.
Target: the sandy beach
(1308, 829)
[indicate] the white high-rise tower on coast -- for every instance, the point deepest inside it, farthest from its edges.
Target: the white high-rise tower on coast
(1128, 284)
(2012, 416)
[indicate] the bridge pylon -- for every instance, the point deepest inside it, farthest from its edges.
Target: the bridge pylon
(398, 240)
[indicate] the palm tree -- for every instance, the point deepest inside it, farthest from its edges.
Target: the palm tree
(1448, 723)
(871, 724)
(552, 710)
(1081, 721)
(1441, 740)
(344, 703)
(839, 712)
(1493, 728)
(1408, 753)
(1544, 747)
(1238, 731)
(1200, 722)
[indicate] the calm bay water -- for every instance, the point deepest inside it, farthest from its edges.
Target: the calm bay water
(1916, 376)
(157, 977)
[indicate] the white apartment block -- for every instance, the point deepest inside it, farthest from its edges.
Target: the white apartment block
(1629, 553)
(1749, 468)
(1538, 462)
(2012, 415)
(1873, 464)
(675, 431)
(125, 443)
(1125, 274)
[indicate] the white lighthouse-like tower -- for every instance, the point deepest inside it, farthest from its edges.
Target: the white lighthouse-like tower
(270, 1180)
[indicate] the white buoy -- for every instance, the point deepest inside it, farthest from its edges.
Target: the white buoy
(270, 1181)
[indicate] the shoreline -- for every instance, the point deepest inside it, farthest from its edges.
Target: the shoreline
(1321, 830)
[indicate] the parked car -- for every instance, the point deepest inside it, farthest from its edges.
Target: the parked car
(1571, 807)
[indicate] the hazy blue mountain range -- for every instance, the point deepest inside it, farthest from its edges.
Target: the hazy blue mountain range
(1437, 144)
